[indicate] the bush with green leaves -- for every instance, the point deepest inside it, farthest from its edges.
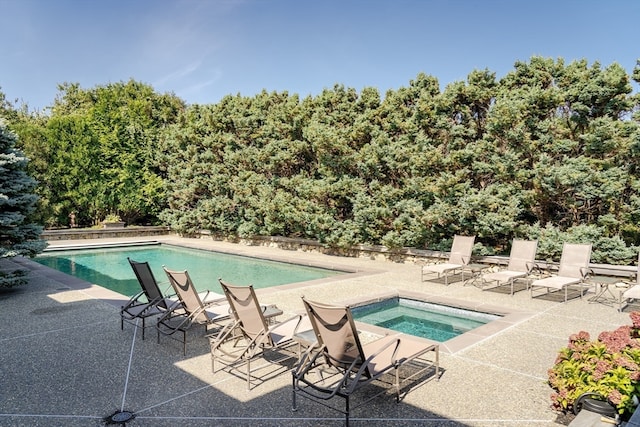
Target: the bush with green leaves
(606, 249)
(548, 151)
(608, 366)
(112, 217)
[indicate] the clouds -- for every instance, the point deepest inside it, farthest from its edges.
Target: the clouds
(203, 50)
(189, 82)
(177, 46)
(178, 74)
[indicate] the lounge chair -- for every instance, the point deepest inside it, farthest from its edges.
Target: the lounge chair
(521, 263)
(458, 258)
(149, 303)
(573, 271)
(250, 334)
(339, 364)
(632, 293)
(190, 309)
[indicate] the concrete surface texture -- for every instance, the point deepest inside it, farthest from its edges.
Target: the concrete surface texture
(65, 360)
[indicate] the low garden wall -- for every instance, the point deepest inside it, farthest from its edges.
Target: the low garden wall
(404, 255)
(103, 233)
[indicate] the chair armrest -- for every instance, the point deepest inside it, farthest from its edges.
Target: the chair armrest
(585, 272)
(174, 310)
(134, 301)
(530, 266)
(314, 357)
(217, 301)
(219, 337)
(275, 327)
(174, 305)
(384, 347)
(172, 313)
(168, 291)
(539, 270)
(361, 370)
(301, 321)
(307, 360)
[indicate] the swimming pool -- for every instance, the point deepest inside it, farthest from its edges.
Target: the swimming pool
(108, 267)
(423, 319)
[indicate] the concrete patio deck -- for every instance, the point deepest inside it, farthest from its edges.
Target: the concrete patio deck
(65, 360)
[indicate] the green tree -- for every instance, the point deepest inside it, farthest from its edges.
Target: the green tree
(98, 152)
(18, 236)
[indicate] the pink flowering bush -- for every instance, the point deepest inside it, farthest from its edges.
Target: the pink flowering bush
(608, 366)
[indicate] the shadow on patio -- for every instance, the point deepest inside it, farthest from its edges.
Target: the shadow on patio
(66, 361)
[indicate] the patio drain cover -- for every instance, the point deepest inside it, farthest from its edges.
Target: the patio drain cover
(120, 417)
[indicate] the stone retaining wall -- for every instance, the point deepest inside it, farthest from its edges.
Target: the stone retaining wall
(103, 233)
(404, 255)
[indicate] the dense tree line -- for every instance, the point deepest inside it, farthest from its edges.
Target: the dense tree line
(549, 151)
(96, 153)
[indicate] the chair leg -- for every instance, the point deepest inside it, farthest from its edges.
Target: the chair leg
(294, 406)
(249, 374)
(397, 384)
(621, 303)
(347, 410)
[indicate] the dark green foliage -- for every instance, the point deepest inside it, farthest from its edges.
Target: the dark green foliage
(548, 144)
(550, 151)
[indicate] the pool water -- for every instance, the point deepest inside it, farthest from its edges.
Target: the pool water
(109, 268)
(422, 319)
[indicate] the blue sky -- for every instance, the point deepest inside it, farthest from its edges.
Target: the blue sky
(202, 50)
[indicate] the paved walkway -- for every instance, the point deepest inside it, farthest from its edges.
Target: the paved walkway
(65, 360)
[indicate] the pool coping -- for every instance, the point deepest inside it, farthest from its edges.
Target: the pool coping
(508, 318)
(118, 299)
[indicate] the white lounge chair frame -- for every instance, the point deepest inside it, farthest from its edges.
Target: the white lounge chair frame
(632, 293)
(521, 262)
(459, 257)
(573, 271)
